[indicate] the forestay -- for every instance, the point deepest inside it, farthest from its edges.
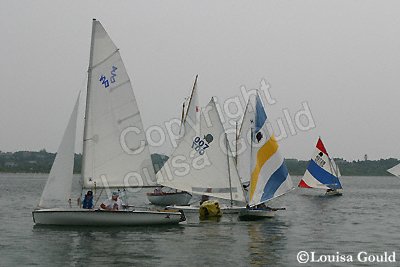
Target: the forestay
(115, 152)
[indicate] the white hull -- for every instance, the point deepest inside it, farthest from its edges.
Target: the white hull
(195, 209)
(165, 199)
(256, 214)
(105, 218)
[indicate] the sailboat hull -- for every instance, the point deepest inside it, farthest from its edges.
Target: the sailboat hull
(195, 209)
(105, 218)
(337, 192)
(256, 214)
(165, 198)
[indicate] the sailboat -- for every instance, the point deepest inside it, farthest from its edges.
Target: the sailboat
(322, 172)
(395, 170)
(261, 167)
(203, 164)
(164, 196)
(115, 153)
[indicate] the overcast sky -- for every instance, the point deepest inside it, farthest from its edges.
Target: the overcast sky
(340, 57)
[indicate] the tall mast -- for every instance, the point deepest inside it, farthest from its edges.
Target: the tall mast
(183, 113)
(229, 168)
(85, 129)
(251, 160)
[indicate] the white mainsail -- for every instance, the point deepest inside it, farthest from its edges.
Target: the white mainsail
(57, 191)
(115, 150)
(243, 153)
(395, 170)
(336, 168)
(203, 164)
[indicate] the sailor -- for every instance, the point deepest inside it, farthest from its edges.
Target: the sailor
(88, 200)
(112, 204)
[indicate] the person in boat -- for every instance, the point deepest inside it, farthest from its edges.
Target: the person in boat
(204, 198)
(87, 202)
(262, 206)
(112, 204)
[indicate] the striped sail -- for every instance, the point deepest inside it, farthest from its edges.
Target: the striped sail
(269, 176)
(321, 171)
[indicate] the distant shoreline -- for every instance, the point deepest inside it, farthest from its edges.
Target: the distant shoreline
(41, 162)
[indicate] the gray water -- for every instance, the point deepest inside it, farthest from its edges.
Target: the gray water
(366, 218)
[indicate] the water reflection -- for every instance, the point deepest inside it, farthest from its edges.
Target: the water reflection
(102, 246)
(266, 242)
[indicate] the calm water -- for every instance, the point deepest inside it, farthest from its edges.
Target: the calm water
(365, 218)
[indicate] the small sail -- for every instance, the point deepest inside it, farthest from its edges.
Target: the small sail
(395, 170)
(269, 177)
(200, 163)
(320, 171)
(57, 190)
(243, 153)
(192, 116)
(336, 169)
(115, 153)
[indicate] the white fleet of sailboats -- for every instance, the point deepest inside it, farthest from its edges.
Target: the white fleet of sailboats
(202, 163)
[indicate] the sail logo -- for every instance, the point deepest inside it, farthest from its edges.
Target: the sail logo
(106, 82)
(200, 145)
(318, 159)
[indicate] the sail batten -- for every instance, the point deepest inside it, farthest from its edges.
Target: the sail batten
(113, 125)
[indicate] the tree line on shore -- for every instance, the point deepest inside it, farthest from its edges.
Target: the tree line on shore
(41, 162)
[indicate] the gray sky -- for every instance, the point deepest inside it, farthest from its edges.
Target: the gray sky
(341, 57)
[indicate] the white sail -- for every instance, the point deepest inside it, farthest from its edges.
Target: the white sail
(192, 115)
(336, 168)
(115, 152)
(395, 170)
(57, 190)
(200, 163)
(243, 153)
